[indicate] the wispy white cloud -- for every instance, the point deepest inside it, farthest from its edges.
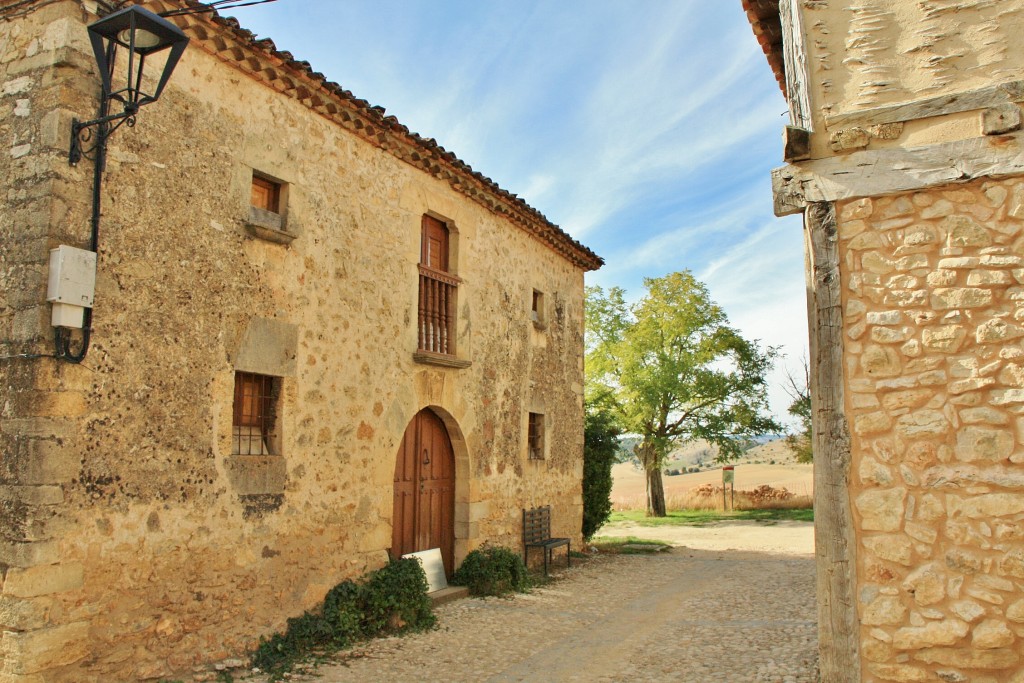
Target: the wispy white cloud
(646, 129)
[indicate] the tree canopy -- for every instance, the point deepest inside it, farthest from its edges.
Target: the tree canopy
(671, 370)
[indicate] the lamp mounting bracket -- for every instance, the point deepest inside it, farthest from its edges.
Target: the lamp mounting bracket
(82, 134)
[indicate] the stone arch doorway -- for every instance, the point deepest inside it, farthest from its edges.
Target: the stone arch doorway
(424, 494)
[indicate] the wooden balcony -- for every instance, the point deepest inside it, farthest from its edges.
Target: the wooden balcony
(437, 311)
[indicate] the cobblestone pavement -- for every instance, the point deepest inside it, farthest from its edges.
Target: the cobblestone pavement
(688, 615)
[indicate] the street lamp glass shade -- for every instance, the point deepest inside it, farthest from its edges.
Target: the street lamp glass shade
(152, 34)
(143, 38)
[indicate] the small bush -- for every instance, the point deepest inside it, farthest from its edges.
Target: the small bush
(492, 570)
(390, 600)
(600, 449)
(341, 611)
(395, 598)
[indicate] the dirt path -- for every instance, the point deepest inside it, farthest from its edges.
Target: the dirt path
(696, 616)
(771, 537)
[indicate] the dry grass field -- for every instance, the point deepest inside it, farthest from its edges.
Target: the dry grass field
(752, 471)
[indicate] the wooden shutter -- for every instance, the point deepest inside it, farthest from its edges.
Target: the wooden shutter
(434, 244)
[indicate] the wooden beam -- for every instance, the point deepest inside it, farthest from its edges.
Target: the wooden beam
(796, 143)
(1000, 120)
(872, 173)
(794, 54)
(982, 98)
(834, 540)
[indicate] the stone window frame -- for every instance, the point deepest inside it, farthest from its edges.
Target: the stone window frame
(269, 348)
(269, 221)
(538, 309)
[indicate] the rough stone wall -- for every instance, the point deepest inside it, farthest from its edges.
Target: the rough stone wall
(934, 365)
(875, 52)
(144, 548)
(39, 403)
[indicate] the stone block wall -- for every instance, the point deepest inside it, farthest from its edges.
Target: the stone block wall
(933, 287)
(135, 545)
(39, 403)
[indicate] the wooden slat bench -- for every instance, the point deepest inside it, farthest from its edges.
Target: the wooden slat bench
(537, 534)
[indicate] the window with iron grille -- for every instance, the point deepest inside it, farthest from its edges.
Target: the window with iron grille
(535, 436)
(255, 414)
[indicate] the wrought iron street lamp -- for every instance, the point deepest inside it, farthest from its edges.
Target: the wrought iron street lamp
(142, 34)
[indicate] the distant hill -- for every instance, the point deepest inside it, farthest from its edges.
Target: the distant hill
(700, 455)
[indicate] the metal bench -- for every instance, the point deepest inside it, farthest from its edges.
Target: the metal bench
(537, 534)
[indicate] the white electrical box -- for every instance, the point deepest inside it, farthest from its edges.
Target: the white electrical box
(71, 285)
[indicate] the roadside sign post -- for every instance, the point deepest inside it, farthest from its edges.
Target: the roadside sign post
(728, 481)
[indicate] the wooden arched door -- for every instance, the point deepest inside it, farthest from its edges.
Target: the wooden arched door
(424, 508)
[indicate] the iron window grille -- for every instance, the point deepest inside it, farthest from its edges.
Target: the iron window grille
(255, 414)
(535, 436)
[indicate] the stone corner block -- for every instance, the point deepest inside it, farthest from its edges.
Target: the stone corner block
(31, 652)
(29, 554)
(45, 580)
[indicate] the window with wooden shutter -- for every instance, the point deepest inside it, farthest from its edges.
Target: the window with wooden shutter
(438, 290)
(268, 210)
(266, 194)
(255, 414)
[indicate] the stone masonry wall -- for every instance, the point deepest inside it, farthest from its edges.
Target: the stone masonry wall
(145, 548)
(934, 323)
(39, 402)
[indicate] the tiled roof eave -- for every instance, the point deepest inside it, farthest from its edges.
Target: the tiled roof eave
(224, 38)
(763, 16)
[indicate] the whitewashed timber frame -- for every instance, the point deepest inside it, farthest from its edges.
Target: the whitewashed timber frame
(872, 173)
(813, 186)
(834, 539)
(794, 56)
(968, 100)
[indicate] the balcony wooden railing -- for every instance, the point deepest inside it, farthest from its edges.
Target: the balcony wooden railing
(438, 291)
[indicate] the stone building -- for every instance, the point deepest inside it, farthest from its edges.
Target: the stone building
(317, 337)
(905, 157)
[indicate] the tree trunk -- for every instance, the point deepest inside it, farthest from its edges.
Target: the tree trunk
(652, 469)
(655, 492)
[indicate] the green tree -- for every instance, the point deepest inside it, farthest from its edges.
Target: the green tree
(801, 441)
(672, 370)
(600, 452)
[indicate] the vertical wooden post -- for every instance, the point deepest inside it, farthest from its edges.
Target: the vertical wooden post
(834, 539)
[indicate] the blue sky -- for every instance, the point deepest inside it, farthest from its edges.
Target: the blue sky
(645, 129)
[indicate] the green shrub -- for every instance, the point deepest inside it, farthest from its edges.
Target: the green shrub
(600, 450)
(392, 599)
(395, 599)
(492, 570)
(342, 613)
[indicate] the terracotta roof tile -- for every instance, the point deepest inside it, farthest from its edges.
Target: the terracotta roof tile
(763, 16)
